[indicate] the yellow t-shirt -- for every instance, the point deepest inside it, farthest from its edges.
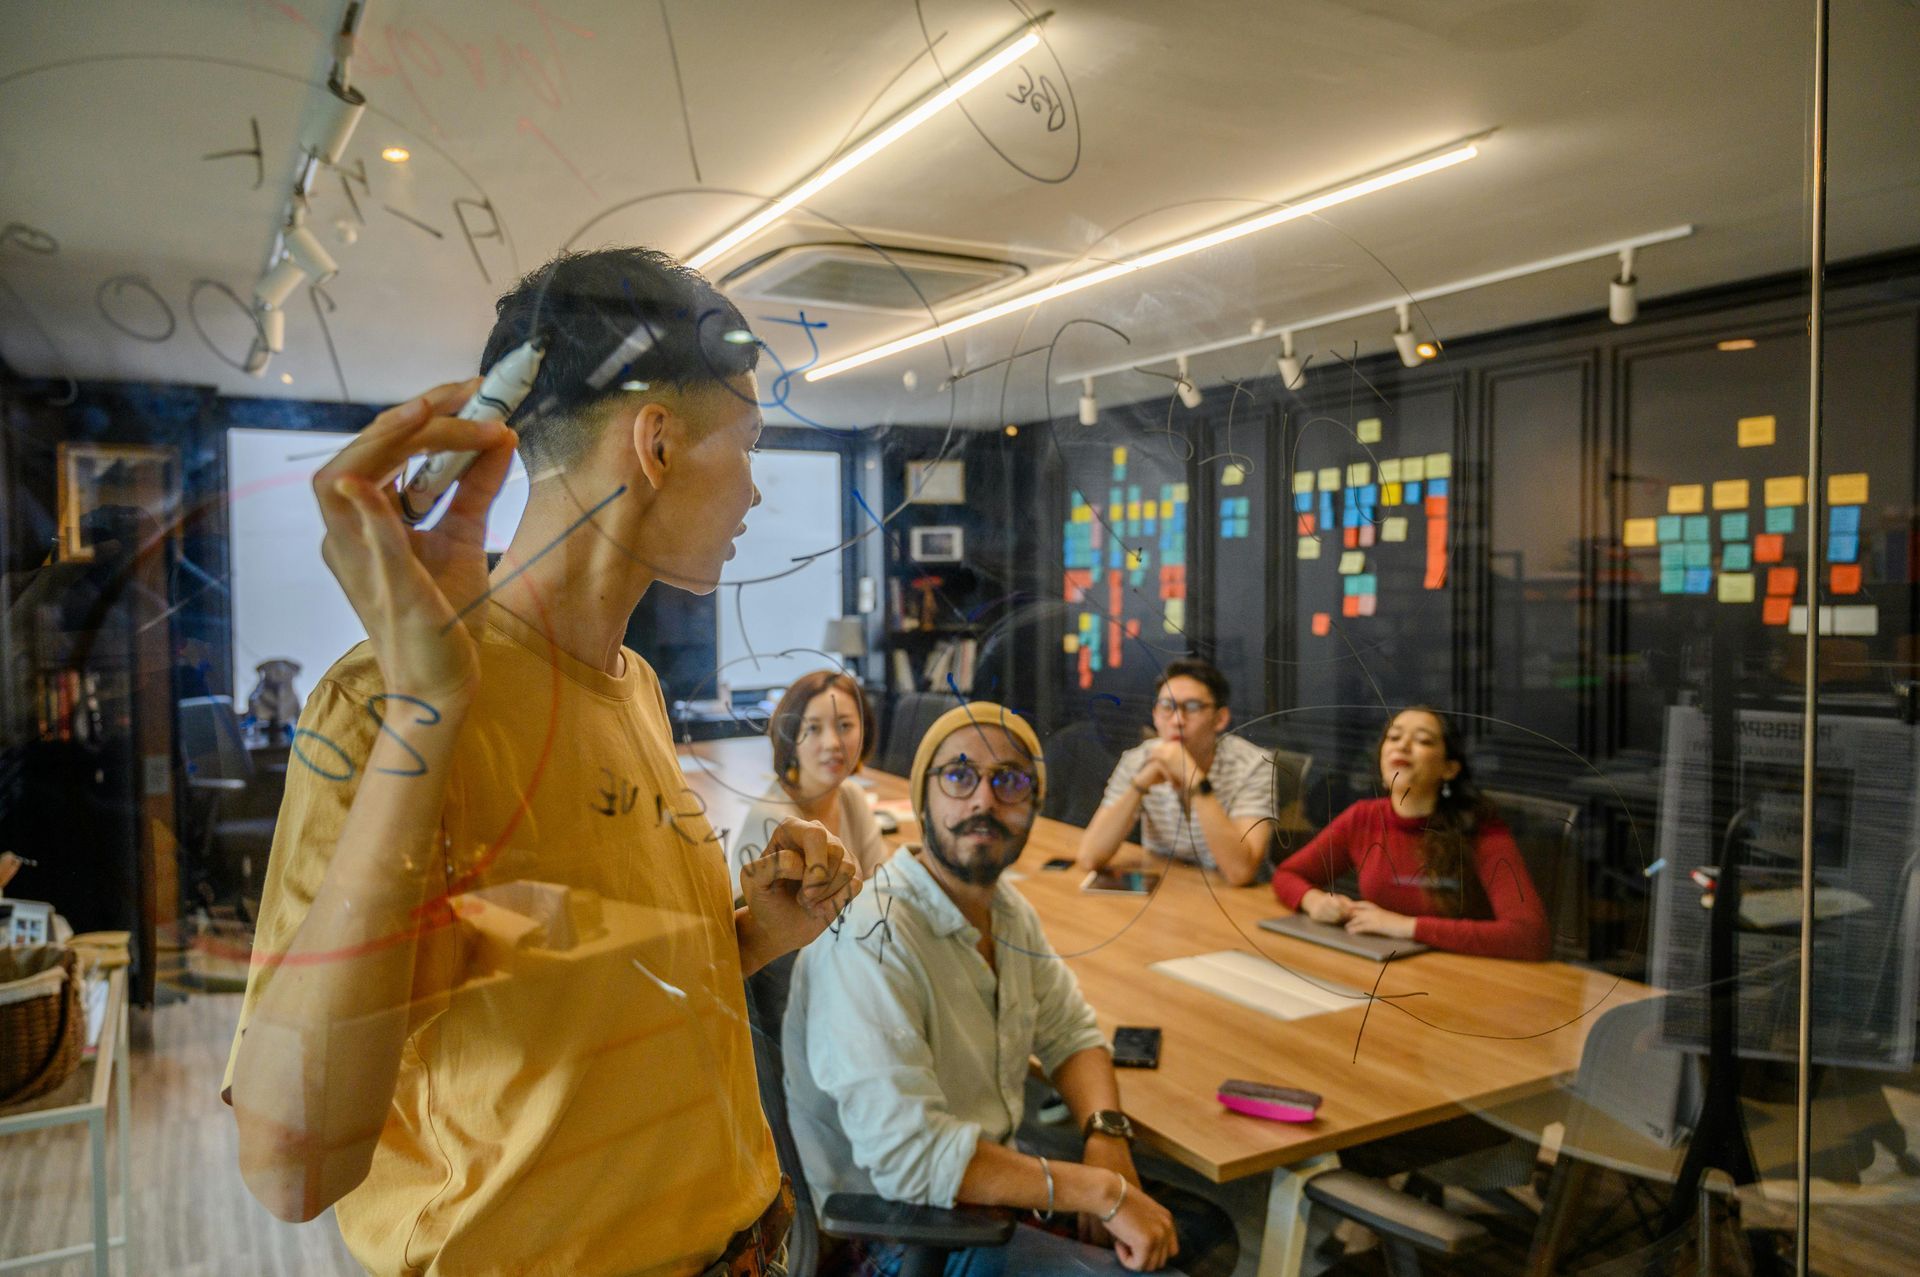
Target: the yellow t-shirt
(583, 1102)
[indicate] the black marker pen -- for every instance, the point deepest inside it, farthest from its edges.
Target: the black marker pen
(506, 385)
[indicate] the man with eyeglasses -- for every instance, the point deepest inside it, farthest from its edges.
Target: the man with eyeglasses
(1199, 795)
(910, 1026)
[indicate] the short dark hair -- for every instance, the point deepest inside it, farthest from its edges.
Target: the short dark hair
(1199, 671)
(791, 714)
(584, 306)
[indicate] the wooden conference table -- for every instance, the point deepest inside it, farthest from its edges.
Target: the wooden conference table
(1487, 1031)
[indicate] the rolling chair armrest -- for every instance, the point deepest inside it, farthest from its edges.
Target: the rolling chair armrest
(1394, 1214)
(864, 1217)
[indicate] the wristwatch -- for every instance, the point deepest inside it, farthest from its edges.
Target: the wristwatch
(1108, 1122)
(1204, 787)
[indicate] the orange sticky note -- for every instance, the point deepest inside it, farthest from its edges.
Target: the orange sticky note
(1782, 581)
(1322, 624)
(1351, 537)
(1686, 498)
(1350, 605)
(1846, 578)
(1305, 523)
(1768, 547)
(1776, 611)
(1436, 507)
(1436, 554)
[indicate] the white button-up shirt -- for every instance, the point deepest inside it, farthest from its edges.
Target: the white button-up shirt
(904, 1049)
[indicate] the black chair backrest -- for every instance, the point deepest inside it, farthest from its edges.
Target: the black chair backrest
(912, 714)
(767, 991)
(210, 739)
(1547, 832)
(1079, 761)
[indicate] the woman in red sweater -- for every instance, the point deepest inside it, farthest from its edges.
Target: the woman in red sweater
(1435, 862)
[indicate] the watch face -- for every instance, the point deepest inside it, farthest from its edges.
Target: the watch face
(1205, 786)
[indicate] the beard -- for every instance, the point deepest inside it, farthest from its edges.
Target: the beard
(985, 866)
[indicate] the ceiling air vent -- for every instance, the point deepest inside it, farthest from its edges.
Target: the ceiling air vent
(855, 277)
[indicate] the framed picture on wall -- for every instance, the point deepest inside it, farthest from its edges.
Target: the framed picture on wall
(106, 489)
(936, 482)
(938, 545)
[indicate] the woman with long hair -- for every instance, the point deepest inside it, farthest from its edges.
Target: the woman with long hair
(822, 732)
(1435, 862)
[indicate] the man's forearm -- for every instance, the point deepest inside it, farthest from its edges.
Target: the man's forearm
(1108, 829)
(1238, 858)
(314, 1074)
(1000, 1176)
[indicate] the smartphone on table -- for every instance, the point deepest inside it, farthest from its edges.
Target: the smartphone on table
(1136, 1047)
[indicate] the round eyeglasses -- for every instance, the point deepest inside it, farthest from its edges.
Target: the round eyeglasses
(1167, 705)
(959, 778)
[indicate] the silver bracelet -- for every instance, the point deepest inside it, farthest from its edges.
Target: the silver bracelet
(1048, 1172)
(1108, 1217)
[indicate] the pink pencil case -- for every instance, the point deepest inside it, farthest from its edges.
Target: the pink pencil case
(1274, 1103)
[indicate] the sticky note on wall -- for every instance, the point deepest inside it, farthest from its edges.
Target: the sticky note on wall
(1847, 489)
(1232, 475)
(1730, 494)
(1394, 529)
(1307, 548)
(1756, 432)
(1330, 479)
(1845, 578)
(1736, 587)
(1638, 532)
(1368, 429)
(1390, 470)
(1351, 562)
(1359, 474)
(1788, 489)
(1302, 481)
(1686, 498)
(1413, 469)
(1439, 465)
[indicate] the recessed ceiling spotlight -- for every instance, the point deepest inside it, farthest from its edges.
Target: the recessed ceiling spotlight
(1012, 431)
(286, 379)
(395, 154)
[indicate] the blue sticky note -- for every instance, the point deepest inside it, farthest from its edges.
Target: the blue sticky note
(1370, 495)
(1843, 518)
(1436, 487)
(1699, 554)
(1843, 547)
(1326, 509)
(1733, 527)
(1410, 493)
(1696, 527)
(1667, 528)
(1736, 558)
(1673, 580)
(1350, 517)
(1303, 502)
(1673, 555)
(1780, 518)
(1699, 580)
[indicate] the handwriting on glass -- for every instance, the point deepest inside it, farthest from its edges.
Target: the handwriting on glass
(1042, 98)
(335, 763)
(617, 796)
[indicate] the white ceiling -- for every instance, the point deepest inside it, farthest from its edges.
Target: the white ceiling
(1614, 118)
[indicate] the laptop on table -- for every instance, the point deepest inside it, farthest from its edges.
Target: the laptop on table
(1333, 936)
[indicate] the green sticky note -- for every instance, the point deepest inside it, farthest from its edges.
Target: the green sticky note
(1780, 518)
(1673, 555)
(1699, 554)
(1733, 527)
(1736, 558)
(1667, 527)
(1673, 580)
(1696, 527)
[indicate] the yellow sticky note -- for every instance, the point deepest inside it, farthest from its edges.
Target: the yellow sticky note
(1359, 474)
(1686, 498)
(1439, 465)
(1846, 489)
(1788, 489)
(1179, 492)
(1302, 481)
(1086, 621)
(1390, 470)
(1166, 509)
(1756, 432)
(1367, 429)
(1307, 547)
(1116, 512)
(1353, 562)
(1330, 479)
(1413, 469)
(1736, 587)
(1070, 643)
(1730, 494)
(1083, 514)
(1636, 532)
(1120, 456)
(1390, 494)
(1232, 476)
(1394, 529)
(1133, 510)
(1176, 616)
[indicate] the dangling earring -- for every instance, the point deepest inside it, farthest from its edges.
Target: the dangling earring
(1446, 789)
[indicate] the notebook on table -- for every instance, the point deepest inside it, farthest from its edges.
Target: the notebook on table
(1379, 948)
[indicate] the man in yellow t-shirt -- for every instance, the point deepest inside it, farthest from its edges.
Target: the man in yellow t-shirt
(495, 1015)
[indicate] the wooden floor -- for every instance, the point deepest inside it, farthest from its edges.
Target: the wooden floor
(194, 1218)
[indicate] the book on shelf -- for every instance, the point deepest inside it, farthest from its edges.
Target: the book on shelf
(903, 670)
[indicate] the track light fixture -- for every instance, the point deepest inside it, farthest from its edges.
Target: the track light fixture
(305, 249)
(327, 131)
(273, 329)
(1089, 406)
(1188, 392)
(278, 284)
(1623, 300)
(1403, 338)
(1293, 373)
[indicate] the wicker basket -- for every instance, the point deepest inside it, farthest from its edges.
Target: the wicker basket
(43, 1027)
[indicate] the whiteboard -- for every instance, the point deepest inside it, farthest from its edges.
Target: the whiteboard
(799, 515)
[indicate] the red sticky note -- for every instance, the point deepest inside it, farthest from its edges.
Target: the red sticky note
(1350, 606)
(1436, 553)
(1133, 627)
(1846, 578)
(1768, 547)
(1352, 538)
(1776, 611)
(1436, 507)
(1306, 523)
(1782, 581)
(1322, 624)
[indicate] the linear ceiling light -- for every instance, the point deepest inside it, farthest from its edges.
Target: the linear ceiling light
(1126, 266)
(1392, 303)
(989, 64)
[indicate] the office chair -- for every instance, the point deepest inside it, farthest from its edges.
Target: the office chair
(231, 841)
(928, 1232)
(909, 718)
(1547, 832)
(1079, 761)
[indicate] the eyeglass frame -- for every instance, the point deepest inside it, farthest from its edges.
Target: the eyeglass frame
(940, 778)
(1186, 709)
